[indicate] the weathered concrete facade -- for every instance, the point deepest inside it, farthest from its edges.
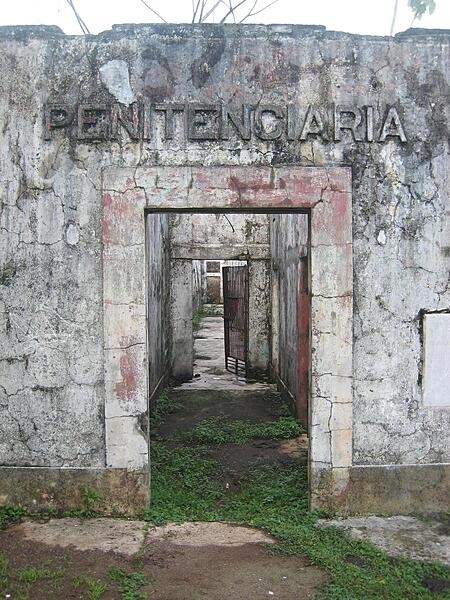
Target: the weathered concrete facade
(97, 130)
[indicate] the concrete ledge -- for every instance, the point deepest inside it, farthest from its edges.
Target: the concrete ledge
(43, 488)
(382, 490)
(398, 489)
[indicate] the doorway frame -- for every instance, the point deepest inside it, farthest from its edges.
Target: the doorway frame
(325, 192)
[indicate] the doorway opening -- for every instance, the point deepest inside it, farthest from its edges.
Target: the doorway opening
(233, 305)
(220, 319)
(131, 285)
(249, 270)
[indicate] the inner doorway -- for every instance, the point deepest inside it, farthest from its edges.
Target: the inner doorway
(263, 284)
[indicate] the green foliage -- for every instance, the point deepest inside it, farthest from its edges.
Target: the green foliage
(22, 580)
(11, 514)
(33, 574)
(90, 499)
(218, 430)
(197, 317)
(129, 584)
(95, 587)
(183, 485)
(420, 7)
(4, 564)
(163, 406)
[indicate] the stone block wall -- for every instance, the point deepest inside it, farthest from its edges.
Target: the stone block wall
(85, 119)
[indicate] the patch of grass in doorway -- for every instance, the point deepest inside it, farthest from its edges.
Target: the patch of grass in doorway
(219, 430)
(183, 486)
(274, 498)
(197, 317)
(162, 407)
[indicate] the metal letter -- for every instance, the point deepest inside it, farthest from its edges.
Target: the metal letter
(291, 118)
(240, 123)
(57, 116)
(313, 124)
(169, 110)
(354, 114)
(146, 119)
(369, 123)
(203, 121)
(93, 122)
(392, 126)
(130, 120)
(260, 128)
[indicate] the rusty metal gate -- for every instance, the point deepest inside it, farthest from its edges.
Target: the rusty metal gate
(235, 313)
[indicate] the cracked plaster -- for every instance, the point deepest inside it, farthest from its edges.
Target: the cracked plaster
(50, 291)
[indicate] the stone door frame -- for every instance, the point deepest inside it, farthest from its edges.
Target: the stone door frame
(326, 194)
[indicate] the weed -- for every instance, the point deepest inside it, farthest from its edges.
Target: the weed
(183, 484)
(162, 407)
(218, 430)
(90, 498)
(197, 317)
(129, 584)
(32, 574)
(213, 310)
(4, 564)
(11, 514)
(95, 587)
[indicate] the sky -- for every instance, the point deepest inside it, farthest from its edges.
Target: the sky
(370, 17)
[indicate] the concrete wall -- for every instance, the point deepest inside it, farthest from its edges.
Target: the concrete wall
(199, 284)
(289, 243)
(376, 105)
(158, 314)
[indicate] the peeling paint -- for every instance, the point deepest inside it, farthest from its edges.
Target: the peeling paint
(115, 76)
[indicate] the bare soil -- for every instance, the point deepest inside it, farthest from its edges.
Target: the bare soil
(195, 405)
(177, 566)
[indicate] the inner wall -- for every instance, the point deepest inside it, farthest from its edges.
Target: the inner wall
(274, 245)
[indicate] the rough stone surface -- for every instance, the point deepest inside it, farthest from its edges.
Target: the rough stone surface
(408, 537)
(63, 242)
(208, 534)
(123, 537)
(120, 492)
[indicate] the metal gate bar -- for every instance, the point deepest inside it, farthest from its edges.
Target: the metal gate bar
(235, 309)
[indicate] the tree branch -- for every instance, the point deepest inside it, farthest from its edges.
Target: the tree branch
(153, 11)
(252, 14)
(81, 23)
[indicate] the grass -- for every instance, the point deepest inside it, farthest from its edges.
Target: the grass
(130, 584)
(95, 588)
(40, 573)
(162, 407)
(218, 430)
(197, 317)
(274, 498)
(185, 487)
(22, 580)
